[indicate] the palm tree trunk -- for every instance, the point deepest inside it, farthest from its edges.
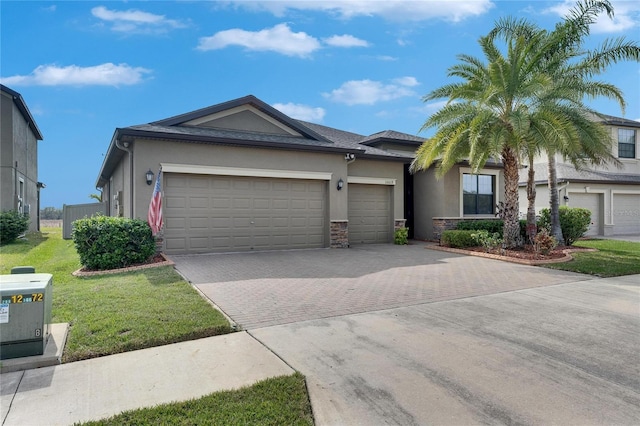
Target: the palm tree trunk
(554, 201)
(532, 227)
(511, 229)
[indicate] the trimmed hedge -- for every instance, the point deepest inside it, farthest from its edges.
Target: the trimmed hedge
(105, 242)
(12, 225)
(574, 222)
(458, 238)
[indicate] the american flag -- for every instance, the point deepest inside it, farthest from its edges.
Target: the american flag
(154, 216)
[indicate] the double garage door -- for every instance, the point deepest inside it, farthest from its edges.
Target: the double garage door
(211, 213)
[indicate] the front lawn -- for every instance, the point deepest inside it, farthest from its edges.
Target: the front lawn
(277, 401)
(114, 313)
(613, 258)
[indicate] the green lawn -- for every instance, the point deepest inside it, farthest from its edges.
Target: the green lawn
(114, 313)
(613, 258)
(277, 401)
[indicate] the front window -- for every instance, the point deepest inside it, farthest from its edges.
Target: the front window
(478, 194)
(626, 143)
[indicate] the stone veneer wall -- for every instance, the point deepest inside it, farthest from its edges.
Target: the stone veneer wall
(399, 224)
(441, 224)
(339, 234)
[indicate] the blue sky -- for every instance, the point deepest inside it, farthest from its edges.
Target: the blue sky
(85, 68)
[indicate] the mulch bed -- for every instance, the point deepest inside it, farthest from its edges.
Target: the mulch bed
(155, 261)
(525, 255)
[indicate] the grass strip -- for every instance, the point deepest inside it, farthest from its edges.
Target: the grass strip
(277, 401)
(613, 258)
(114, 313)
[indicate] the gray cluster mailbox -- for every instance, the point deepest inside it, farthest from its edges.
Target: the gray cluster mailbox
(25, 314)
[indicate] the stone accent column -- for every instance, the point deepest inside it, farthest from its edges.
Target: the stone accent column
(339, 234)
(399, 224)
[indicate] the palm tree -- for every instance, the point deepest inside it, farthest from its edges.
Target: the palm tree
(579, 139)
(488, 114)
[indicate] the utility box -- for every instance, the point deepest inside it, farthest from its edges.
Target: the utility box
(25, 314)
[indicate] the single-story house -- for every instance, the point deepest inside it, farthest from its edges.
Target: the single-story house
(241, 176)
(611, 194)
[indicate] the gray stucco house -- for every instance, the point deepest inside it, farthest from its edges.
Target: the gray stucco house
(19, 136)
(242, 175)
(611, 194)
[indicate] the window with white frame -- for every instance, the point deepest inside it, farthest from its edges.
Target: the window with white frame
(478, 194)
(626, 143)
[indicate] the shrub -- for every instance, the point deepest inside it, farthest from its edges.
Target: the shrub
(106, 242)
(488, 241)
(574, 222)
(543, 242)
(12, 225)
(458, 239)
(490, 225)
(401, 236)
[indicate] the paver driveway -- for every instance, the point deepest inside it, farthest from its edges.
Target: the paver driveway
(269, 288)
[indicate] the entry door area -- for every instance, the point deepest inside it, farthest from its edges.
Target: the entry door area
(369, 214)
(592, 202)
(211, 213)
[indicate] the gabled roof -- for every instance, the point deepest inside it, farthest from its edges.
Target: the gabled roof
(393, 136)
(22, 107)
(618, 121)
(201, 126)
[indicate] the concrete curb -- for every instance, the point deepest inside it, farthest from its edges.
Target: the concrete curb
(567, 255)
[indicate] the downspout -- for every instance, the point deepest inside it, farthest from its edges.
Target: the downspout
(126, 149)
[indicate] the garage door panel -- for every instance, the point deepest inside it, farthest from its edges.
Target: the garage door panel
(243, 213)
(626, 214)
(369, 214)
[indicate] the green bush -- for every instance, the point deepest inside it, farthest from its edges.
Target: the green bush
(488, 241)
(574, 222)
(458, 239)
(12, 225)
(401, 236)
(106, 242)
(490, 225)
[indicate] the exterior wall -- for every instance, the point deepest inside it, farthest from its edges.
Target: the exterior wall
(19, 162)
(120, 202)
(439, 201)
(606, 191)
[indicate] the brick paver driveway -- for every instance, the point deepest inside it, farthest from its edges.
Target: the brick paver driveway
(270, 288)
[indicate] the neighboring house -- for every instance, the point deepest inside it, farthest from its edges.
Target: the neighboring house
(241, 176)
(19, 136)
(612, 194)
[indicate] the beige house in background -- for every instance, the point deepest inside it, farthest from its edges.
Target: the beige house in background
(241, 176)
(611, 194)
(19, 136)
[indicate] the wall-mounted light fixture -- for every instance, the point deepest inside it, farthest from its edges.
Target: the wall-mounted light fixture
(340, 184)
(149, 177)
(566, 198)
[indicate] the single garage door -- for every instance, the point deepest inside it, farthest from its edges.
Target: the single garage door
(211, 213)
(626, 214)
(369, 214)
(593, 203)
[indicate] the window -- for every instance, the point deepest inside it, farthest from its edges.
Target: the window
(626, 143)
(478, 194)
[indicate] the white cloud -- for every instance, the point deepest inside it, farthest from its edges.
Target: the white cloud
(135, 20)
(345, 40)
(392, 10)
(369, 92)
(626, 16)
(301, 112)
(278, 39)
(386, 58)
(406, 81)
(107, 74)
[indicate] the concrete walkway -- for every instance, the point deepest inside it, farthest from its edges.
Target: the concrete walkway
(102, 387)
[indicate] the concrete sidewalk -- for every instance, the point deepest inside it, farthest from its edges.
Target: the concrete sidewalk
(101, 387)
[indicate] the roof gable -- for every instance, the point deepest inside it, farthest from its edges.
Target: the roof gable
(248, 114)
(22, 107)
